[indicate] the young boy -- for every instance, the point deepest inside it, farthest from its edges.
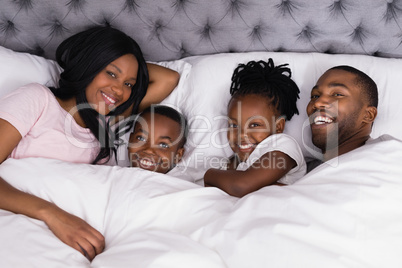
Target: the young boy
(157, 142)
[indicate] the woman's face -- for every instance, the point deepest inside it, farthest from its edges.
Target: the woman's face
(112, 86)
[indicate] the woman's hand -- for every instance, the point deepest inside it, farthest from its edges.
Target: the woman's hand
(75, 232)
(70, 229)
(162, 81)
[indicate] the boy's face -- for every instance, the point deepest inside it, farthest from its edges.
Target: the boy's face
(155, 143)
(251, 120)
(336, 109)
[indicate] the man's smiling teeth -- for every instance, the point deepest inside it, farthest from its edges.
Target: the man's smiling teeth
(319, 120)
(112, 101)
(245, 146)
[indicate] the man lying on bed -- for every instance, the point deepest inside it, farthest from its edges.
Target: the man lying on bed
(341, 111)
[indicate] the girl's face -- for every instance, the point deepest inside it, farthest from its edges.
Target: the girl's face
(112, 86)
(251, 120)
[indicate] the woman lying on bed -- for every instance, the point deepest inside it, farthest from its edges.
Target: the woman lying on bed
(104, 75)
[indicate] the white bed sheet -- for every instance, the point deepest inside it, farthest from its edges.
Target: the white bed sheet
(336, 216)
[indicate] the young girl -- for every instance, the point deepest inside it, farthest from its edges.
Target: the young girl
(104, 75)
(263, 96)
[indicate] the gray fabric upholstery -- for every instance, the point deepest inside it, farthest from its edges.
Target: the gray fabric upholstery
(172, 29)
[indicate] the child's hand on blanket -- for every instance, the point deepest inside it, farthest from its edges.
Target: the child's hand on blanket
(75, 232)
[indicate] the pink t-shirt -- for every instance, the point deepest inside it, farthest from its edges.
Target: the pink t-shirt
(47, 130)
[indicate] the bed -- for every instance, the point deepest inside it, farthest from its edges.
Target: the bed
(345, 213)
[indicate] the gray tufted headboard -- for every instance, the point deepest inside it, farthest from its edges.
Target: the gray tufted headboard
(172, 29)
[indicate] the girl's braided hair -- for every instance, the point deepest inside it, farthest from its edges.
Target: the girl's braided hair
(270, 81)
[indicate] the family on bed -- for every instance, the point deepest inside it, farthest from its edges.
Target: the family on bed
(106, 80)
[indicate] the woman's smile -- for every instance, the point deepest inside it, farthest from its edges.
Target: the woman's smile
(109, 99)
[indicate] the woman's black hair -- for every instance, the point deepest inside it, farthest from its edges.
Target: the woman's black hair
(270, 81)
(82, 56)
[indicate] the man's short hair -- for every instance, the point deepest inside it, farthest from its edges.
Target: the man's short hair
(368, 86)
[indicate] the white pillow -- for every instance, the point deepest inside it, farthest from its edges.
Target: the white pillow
(18, 69)
(207, 95)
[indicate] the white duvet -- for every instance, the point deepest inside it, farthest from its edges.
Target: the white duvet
(336, 216)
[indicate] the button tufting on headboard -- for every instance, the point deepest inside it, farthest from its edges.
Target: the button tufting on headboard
(24, 4)
(57, 28)
(306, 34)
(170, 29)
(8, 28)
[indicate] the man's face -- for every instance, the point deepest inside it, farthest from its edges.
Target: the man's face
(336, 110)
(155, 143)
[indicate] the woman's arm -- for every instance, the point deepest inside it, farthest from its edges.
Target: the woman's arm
(70, 229)
(162, 81)
(266, 171)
